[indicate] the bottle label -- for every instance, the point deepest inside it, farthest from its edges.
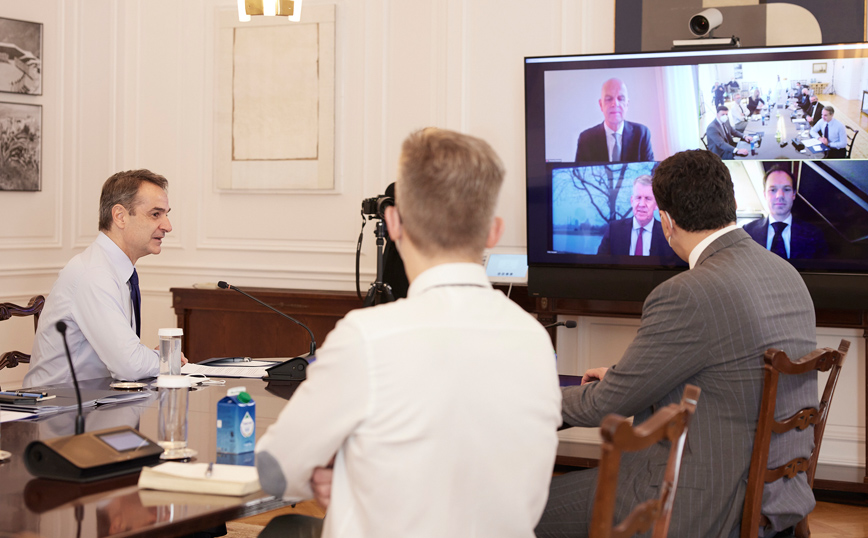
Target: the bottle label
(247, 425)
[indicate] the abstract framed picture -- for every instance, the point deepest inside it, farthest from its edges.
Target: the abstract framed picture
(20, 57)
(20, 147)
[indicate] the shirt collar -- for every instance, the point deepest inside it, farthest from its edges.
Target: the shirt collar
(647, 227)
(788, 220)
(121, 263)
(609, 132)
(700, 248)
(449, 274)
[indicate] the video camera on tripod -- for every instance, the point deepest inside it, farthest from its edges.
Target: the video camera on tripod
(375, 209)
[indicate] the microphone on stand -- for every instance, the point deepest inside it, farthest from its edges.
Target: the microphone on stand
(86, 457)
(569, 324)
(79, 418)
(294, 368)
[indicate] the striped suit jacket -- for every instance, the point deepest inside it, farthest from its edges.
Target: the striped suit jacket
(710, 327)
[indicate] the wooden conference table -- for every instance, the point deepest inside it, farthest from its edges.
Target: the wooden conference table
(31, 506)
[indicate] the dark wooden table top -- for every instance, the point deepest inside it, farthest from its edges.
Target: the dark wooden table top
(32, 506)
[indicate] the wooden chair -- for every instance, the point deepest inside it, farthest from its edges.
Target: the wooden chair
(669, 423)
(776, 363)
(10, 359)
(851, 139)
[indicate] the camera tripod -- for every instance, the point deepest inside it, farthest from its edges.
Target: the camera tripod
(379, 292)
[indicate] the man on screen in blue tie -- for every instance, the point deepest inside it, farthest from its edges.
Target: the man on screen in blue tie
(97, 294)
(832, 133)
(778, 232)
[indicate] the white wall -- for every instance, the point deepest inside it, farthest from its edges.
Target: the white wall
(130, 83)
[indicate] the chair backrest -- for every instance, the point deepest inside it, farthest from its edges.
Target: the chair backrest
(776, 363)
(669, 423)
(852, 140)
(10, 359)
(704, 142)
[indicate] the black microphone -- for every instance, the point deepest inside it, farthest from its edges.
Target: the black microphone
(569, 324)
(223, 285)
(79, 418)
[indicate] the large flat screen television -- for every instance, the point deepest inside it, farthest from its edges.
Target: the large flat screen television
(597, 125)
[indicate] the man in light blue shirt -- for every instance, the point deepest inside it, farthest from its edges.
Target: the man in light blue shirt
(832, 133)
(97, 294)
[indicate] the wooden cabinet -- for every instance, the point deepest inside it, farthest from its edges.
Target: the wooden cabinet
(225, 323)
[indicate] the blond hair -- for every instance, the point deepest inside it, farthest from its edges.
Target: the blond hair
(447, 190)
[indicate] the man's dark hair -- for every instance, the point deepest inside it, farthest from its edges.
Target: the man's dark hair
(721, 108)
(779, 168)
(695, 187)
(123, 188)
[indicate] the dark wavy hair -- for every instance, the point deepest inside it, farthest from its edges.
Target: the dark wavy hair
(695, 187)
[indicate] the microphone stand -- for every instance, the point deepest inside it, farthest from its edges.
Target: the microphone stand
(224, 285)
(79, 418)
(294, 369)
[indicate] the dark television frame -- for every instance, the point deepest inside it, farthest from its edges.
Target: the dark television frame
(829, 290)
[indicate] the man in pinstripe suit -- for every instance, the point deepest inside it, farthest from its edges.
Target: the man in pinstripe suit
(708, 326)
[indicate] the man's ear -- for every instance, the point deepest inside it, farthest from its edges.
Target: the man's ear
(494, 233)
(393, 224)
(666, 223)
(119, 216)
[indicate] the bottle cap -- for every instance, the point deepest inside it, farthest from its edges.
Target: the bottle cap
(170, 332)
(174, 382)
(244, 397)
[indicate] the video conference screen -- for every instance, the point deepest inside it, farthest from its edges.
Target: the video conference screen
(786, 121)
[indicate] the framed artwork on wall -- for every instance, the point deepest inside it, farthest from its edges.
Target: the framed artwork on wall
(20, 57)
(820, 67)
(20, 147)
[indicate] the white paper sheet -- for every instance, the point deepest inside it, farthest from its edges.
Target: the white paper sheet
(9, 416)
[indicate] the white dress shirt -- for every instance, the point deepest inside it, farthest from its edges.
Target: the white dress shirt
(646, 237)
(92, 296)
(442, 409)
(610, 140)
(837, 133)
(785, 235)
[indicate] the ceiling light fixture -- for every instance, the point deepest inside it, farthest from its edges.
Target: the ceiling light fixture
(291, 9)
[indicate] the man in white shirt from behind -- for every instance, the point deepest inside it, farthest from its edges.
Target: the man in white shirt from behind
(437, 412)
(93, 293)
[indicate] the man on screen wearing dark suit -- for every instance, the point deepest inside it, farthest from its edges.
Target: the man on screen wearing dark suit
(779, 232)
(708, 326)
(640, 235)
(720, 133)
(815, 111)
(805, 99)
(615, 140)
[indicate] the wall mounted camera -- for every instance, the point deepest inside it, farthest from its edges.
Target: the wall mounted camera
(703, 24)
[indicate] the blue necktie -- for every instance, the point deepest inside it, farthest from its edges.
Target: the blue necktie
(136, 295)
(826, 133)
(778, 246)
